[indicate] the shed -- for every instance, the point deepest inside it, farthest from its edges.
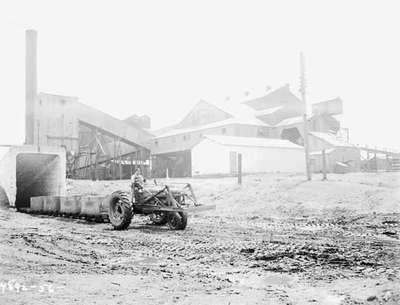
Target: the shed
(216, 154)
(338, 152)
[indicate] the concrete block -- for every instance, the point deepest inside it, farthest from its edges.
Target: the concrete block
(51, 204)
(37, 203)
(31, 171)
(91, 205)
(70, 205)
(105, 204)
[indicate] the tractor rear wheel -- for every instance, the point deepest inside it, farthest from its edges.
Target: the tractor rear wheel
(159, 218)
(177, 220)
(120, 210)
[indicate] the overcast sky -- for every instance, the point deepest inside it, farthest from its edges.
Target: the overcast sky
(161, 57)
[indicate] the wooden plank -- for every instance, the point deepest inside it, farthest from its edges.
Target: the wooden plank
(201, 208)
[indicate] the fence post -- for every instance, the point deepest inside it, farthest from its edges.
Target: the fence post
(323, 164)
(239, 168)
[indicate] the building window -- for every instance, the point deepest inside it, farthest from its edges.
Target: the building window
(223, 130)
(156, 143)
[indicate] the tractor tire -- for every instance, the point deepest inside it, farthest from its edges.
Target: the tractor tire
(177, 220)
(159, 218)
(120, 210)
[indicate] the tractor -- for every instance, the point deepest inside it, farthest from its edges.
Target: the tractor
(165, 204)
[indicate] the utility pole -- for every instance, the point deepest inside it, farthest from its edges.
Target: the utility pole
(303, 98)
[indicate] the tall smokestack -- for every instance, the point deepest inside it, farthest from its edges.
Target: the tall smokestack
(30, 83)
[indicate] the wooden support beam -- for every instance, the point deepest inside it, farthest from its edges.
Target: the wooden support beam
(62, 138)
(131, 167)
(120, 167)
(96, 171)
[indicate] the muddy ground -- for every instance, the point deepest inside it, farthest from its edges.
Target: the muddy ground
(276, 239)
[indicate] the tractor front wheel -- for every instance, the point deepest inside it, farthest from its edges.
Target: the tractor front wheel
(120, 210)
(159, 218)
(177, 220)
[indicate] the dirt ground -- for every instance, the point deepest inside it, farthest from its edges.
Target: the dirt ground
(276, 239)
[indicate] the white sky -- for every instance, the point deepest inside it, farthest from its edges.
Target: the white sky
(161, 57)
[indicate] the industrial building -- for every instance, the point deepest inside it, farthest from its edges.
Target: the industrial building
(97, 145)
(276, 117)
(267, 130)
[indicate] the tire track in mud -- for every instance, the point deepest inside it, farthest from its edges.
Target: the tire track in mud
(210, 249)
(47, 246)
(357, 249)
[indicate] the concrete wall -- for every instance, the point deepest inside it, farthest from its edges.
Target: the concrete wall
(210, 158)
(28, 171)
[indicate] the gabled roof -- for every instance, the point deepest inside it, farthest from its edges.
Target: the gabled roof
(268, 111)
(203, 113)
(236, 109)
(252, 142)
(239, 112)
(177, 131)
(235, 113)
(273, 98)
